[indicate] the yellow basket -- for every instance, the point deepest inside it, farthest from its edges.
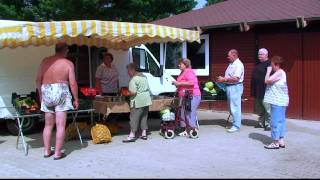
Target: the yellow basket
(100, 134)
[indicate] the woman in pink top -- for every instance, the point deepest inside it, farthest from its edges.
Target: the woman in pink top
(188, 81)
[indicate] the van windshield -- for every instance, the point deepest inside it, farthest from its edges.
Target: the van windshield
(145, 62)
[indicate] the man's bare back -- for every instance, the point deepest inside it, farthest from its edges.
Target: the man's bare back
(55, 70)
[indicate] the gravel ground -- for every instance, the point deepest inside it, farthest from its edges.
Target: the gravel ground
(215, 154)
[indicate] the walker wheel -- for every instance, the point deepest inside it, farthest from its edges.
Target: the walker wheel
(169, 134)
(193, 133)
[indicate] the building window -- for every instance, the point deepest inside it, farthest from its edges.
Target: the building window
(173, 54)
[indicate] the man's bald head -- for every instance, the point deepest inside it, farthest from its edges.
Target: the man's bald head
(234, 52)
(233, 55)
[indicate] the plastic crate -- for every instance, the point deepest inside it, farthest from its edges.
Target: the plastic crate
(84, 104)
(23, 110)
(220, 89)
(208, 96)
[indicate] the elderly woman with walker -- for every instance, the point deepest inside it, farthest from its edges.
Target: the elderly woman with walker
(189, 98)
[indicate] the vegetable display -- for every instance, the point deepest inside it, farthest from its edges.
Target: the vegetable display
(26, 105)
(124, 91)
(166, 114)
(209, 87)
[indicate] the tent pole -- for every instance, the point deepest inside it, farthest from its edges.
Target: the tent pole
(77, 63)
(90, 68)
(90, 79)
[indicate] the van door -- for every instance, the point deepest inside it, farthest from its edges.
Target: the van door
(150, 67)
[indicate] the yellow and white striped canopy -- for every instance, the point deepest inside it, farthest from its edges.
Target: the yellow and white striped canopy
(109, 34)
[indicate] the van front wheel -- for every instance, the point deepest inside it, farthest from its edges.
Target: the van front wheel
(29, 125)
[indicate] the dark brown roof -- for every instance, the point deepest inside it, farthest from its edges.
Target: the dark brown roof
(233, 12)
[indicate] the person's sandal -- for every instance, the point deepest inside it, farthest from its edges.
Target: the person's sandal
(144, 137)
(281, 143)
(49, 155)
(63, 155)
(272, 146)
(129, 139)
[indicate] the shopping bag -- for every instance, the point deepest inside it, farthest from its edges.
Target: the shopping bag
(188, 100)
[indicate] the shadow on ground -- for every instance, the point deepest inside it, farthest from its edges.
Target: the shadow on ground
(260, 137)
(249, 122)
(3, 129)
(69, 146)
(2, 142)
(224, 122)
(123, 121)
(75, 145)
(154, 124)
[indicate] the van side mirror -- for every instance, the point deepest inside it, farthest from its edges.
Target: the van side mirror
(161, 71)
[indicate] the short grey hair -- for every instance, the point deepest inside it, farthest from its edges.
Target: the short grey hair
(263, 51)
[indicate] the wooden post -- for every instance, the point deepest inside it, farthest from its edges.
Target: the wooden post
(243, 26)
(301, 22)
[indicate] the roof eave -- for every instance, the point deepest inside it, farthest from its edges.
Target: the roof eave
(205, 27)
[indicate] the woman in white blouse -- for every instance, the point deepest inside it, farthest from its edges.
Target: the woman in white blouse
(277, 96)
(107, 77)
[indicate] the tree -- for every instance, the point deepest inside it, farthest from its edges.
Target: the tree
(10, 9)
(209, 2)
(116, 10)
(149, 10)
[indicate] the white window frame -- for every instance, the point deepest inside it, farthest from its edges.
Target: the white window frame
(199, 72)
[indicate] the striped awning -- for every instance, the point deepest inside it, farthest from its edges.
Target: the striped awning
(109, 34)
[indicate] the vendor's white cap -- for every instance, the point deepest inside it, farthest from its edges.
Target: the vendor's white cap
(263, 51)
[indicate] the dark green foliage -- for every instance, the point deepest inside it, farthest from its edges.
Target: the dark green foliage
(115, 10)
(209, 2)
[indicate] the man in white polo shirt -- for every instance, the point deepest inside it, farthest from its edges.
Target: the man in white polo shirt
(233, 79)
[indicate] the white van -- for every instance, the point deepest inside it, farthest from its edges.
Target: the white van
(18, 68)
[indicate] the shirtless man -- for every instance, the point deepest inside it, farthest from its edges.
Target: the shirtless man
(55, 75)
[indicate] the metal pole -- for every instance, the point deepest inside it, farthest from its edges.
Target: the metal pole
(74, 115)
(90, 73)
(90, 77)
(77, 63)
(25, 145)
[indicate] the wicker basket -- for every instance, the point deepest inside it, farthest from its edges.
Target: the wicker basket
(100, 134)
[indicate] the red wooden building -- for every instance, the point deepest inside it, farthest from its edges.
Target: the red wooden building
(289, 28)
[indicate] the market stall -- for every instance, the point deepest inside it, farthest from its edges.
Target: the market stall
(108, 34)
